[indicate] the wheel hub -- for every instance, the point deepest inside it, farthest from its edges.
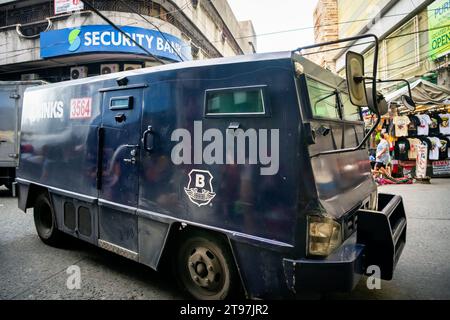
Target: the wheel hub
(205, 269)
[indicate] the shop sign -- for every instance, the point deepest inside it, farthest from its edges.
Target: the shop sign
(64, 6)
(421, 161)
(105, 39)
(441, 168)
(439, 36)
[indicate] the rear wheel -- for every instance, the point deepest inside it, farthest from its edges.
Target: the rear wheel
(45, 221)
(205, 268)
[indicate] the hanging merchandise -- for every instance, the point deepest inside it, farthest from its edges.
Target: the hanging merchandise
(414, 122)
(444, 149)
(434, 125)
(412, 152)
(444, 126)
(402, 147)
(401, 126)
(421, 162)
(435, 146)
(423, 128)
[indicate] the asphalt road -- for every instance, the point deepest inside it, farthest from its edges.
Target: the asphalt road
(31, 270)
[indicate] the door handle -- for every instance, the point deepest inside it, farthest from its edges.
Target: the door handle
(120, 117)
(148, 146)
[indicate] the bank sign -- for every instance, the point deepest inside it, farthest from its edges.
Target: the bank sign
(105, 39)
(439, 36)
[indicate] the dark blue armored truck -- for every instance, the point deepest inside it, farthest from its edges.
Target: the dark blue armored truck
(245, 174)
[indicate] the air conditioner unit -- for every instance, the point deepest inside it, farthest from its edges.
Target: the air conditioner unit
(130, 66)
(109, 68)
(29, 76)
(78, 72)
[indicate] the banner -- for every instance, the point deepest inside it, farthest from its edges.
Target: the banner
(105, 39)
(421, 161)
(439, 36)
(64, 6)
(441, 168)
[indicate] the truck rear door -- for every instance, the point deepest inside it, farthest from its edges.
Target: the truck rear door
(8, 126)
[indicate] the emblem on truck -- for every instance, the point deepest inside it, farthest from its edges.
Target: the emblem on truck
(199, 189)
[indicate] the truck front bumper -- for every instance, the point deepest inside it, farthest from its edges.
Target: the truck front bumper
(379, 241)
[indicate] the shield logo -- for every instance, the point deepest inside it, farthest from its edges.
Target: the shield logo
(199, 189)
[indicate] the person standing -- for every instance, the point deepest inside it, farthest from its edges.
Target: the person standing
(382, 156)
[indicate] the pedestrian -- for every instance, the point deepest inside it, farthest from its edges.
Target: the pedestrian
(382, 158)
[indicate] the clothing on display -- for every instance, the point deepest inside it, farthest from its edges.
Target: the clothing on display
(424, 127)
(401, 126)
(434, 125)
(412, 152)
(401, 149)
(435, 146)
(444, 126)
(444, 149)
(414, 122)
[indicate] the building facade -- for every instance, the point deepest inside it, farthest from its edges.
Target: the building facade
(408, 32)
(57, 40)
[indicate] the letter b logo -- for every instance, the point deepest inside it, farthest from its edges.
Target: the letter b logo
(199, 181)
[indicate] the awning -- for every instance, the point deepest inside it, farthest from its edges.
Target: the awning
(423, 93)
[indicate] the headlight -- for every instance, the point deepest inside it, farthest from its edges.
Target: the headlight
(324, 235)
(373, 201)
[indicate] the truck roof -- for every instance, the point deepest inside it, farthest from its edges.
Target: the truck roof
(173, 66)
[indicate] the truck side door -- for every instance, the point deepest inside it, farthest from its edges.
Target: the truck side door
(119, 186)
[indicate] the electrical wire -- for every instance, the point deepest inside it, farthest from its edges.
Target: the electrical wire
(90, 6)
(155, 26)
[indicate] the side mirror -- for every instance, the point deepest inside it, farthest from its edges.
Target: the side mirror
(379, 106)
(408, 102)
(355, 79)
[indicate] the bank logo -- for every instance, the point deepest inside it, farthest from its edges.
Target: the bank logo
(74, 40)
(199, 189)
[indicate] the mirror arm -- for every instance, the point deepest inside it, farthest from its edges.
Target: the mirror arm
(374, 87)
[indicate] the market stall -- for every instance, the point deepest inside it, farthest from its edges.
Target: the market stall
(420, 135)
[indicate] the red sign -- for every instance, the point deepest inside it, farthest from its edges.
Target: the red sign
(80, 108)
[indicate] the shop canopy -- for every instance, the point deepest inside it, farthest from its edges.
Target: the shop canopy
(423, 93)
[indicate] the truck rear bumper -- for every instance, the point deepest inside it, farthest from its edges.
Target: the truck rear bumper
(379, 241)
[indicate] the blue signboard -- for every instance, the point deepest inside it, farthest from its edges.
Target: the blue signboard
(104, 38)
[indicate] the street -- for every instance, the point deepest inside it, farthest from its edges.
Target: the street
(31, 270)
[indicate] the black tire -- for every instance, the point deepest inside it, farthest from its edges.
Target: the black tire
(205, 268)
(45, 221)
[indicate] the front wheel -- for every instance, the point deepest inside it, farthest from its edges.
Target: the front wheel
(45, 221)
(205, 267)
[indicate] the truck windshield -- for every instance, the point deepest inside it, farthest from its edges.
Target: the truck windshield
(328, 102)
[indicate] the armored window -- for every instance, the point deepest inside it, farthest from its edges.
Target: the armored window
(328, 102)
(235, 101)
(323, 100)
(121, 103)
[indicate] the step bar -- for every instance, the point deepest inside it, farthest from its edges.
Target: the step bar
(383, 232)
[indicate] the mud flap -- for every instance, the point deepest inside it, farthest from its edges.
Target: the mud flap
(383, 232)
